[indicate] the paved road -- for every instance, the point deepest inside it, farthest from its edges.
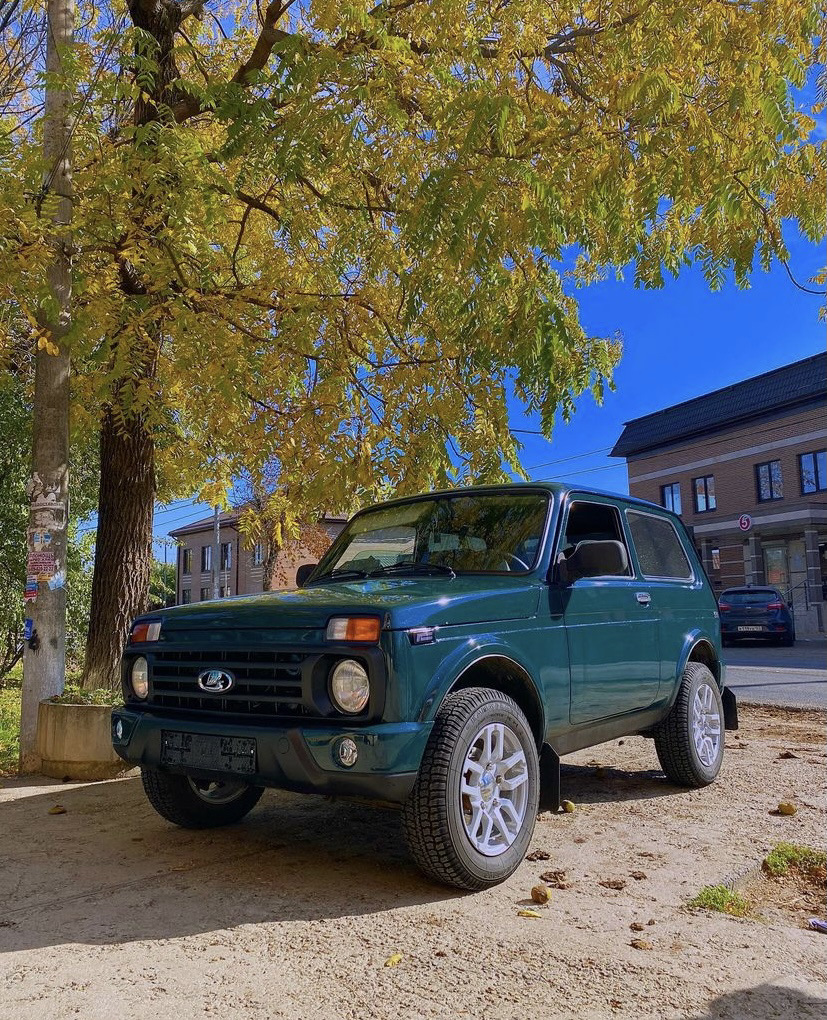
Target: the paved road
(768, 675)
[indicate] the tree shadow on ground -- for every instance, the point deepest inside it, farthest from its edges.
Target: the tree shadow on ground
(110, 870)
(766, 1002)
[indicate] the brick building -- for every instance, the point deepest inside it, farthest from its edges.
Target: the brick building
(746, 468)
(240, 568)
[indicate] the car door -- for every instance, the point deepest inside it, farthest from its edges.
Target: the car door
(611, 625)
(673, 584)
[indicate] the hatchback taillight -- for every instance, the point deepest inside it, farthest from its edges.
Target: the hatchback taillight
(724, 607)
(775, 605)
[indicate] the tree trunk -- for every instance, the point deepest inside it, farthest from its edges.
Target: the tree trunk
(44, 663)
(123, 554)
(270, 580)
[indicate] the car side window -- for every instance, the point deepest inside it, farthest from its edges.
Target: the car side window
(659, 549)
(593, 544)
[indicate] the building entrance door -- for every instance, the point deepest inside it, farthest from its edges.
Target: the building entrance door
(776, 569)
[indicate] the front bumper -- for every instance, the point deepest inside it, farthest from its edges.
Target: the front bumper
(288, 758)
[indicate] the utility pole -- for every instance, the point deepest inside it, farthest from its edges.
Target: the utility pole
(44, 659)
(216, 552)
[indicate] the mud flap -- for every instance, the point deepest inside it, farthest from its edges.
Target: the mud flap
(730, 709)
(549, 779)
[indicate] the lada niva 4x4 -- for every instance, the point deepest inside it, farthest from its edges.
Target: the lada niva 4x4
(444, 654)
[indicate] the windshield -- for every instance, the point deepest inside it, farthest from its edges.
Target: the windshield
(442, 535)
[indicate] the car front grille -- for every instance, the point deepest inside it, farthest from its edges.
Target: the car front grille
(269, 684)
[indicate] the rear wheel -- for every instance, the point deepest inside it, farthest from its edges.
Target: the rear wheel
(471, 813)
(199, 803)
(690, 740)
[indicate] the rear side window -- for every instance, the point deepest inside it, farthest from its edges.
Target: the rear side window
(659, 550)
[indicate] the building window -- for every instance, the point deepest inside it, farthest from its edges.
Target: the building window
(206, 558)
(813, 470)
(716, 558)
(226, 555)
(205, 594)
(186, 596)
(186, 561)
(704, 489)
(258, 555)
(768, 481)
(670, 497)
(225, 591)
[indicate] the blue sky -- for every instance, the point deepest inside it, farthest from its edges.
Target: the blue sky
(678, 343)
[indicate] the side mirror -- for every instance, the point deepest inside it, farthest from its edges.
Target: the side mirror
(561, 570)
(304, 571)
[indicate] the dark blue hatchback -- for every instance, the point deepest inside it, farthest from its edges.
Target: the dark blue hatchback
(748, 613)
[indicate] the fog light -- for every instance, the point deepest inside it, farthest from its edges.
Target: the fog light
(347, 752)
(119, 729)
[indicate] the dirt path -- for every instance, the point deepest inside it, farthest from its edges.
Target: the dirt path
(106, 911)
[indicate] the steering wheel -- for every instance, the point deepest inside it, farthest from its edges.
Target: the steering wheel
(521, 564)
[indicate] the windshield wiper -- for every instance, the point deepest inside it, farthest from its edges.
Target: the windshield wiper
(414, 568)
(340, 575)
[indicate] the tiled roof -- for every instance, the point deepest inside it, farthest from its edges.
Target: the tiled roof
(776, 391)
(230, 519)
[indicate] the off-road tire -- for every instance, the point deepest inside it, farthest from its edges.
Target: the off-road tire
(173, 798)
(674, 740)
(432, 816)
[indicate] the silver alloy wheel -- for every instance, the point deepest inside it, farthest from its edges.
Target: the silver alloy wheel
(216, 791)
(494, 789)
(706, 725)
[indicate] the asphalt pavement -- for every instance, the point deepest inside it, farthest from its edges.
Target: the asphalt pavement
(765, 674)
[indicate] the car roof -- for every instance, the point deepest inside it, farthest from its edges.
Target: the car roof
(559, 489)
(750, 589)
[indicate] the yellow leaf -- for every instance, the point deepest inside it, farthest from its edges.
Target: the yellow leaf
(392, 961)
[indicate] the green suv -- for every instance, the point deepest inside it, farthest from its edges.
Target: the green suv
(444, 654)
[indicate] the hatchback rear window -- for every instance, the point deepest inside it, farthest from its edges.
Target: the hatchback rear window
(750, 598)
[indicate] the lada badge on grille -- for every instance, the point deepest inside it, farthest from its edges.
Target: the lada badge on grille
(216, 681)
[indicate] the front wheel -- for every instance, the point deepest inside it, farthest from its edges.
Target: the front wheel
(690, 740)
(199, 803)
(471, 813)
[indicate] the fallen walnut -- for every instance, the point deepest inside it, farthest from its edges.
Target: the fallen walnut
(641, 944)
(541, 893)
(786, 807)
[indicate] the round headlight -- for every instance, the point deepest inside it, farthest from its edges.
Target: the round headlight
(349, 686)
(139, 677)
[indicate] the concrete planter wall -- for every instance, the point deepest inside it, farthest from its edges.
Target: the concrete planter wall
(74, 741)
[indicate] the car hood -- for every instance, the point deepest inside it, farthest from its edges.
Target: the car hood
(402, 602)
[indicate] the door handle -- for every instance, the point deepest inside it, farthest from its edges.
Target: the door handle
(643, 597)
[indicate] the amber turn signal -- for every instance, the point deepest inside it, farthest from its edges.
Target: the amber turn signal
(364, 629)
(146, 630)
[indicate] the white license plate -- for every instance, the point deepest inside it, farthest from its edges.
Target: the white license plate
(759, 629)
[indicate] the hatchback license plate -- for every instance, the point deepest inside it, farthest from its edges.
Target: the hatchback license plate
(759, 629)
(205, 751)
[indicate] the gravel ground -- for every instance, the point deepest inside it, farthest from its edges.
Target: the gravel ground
(107, 911)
